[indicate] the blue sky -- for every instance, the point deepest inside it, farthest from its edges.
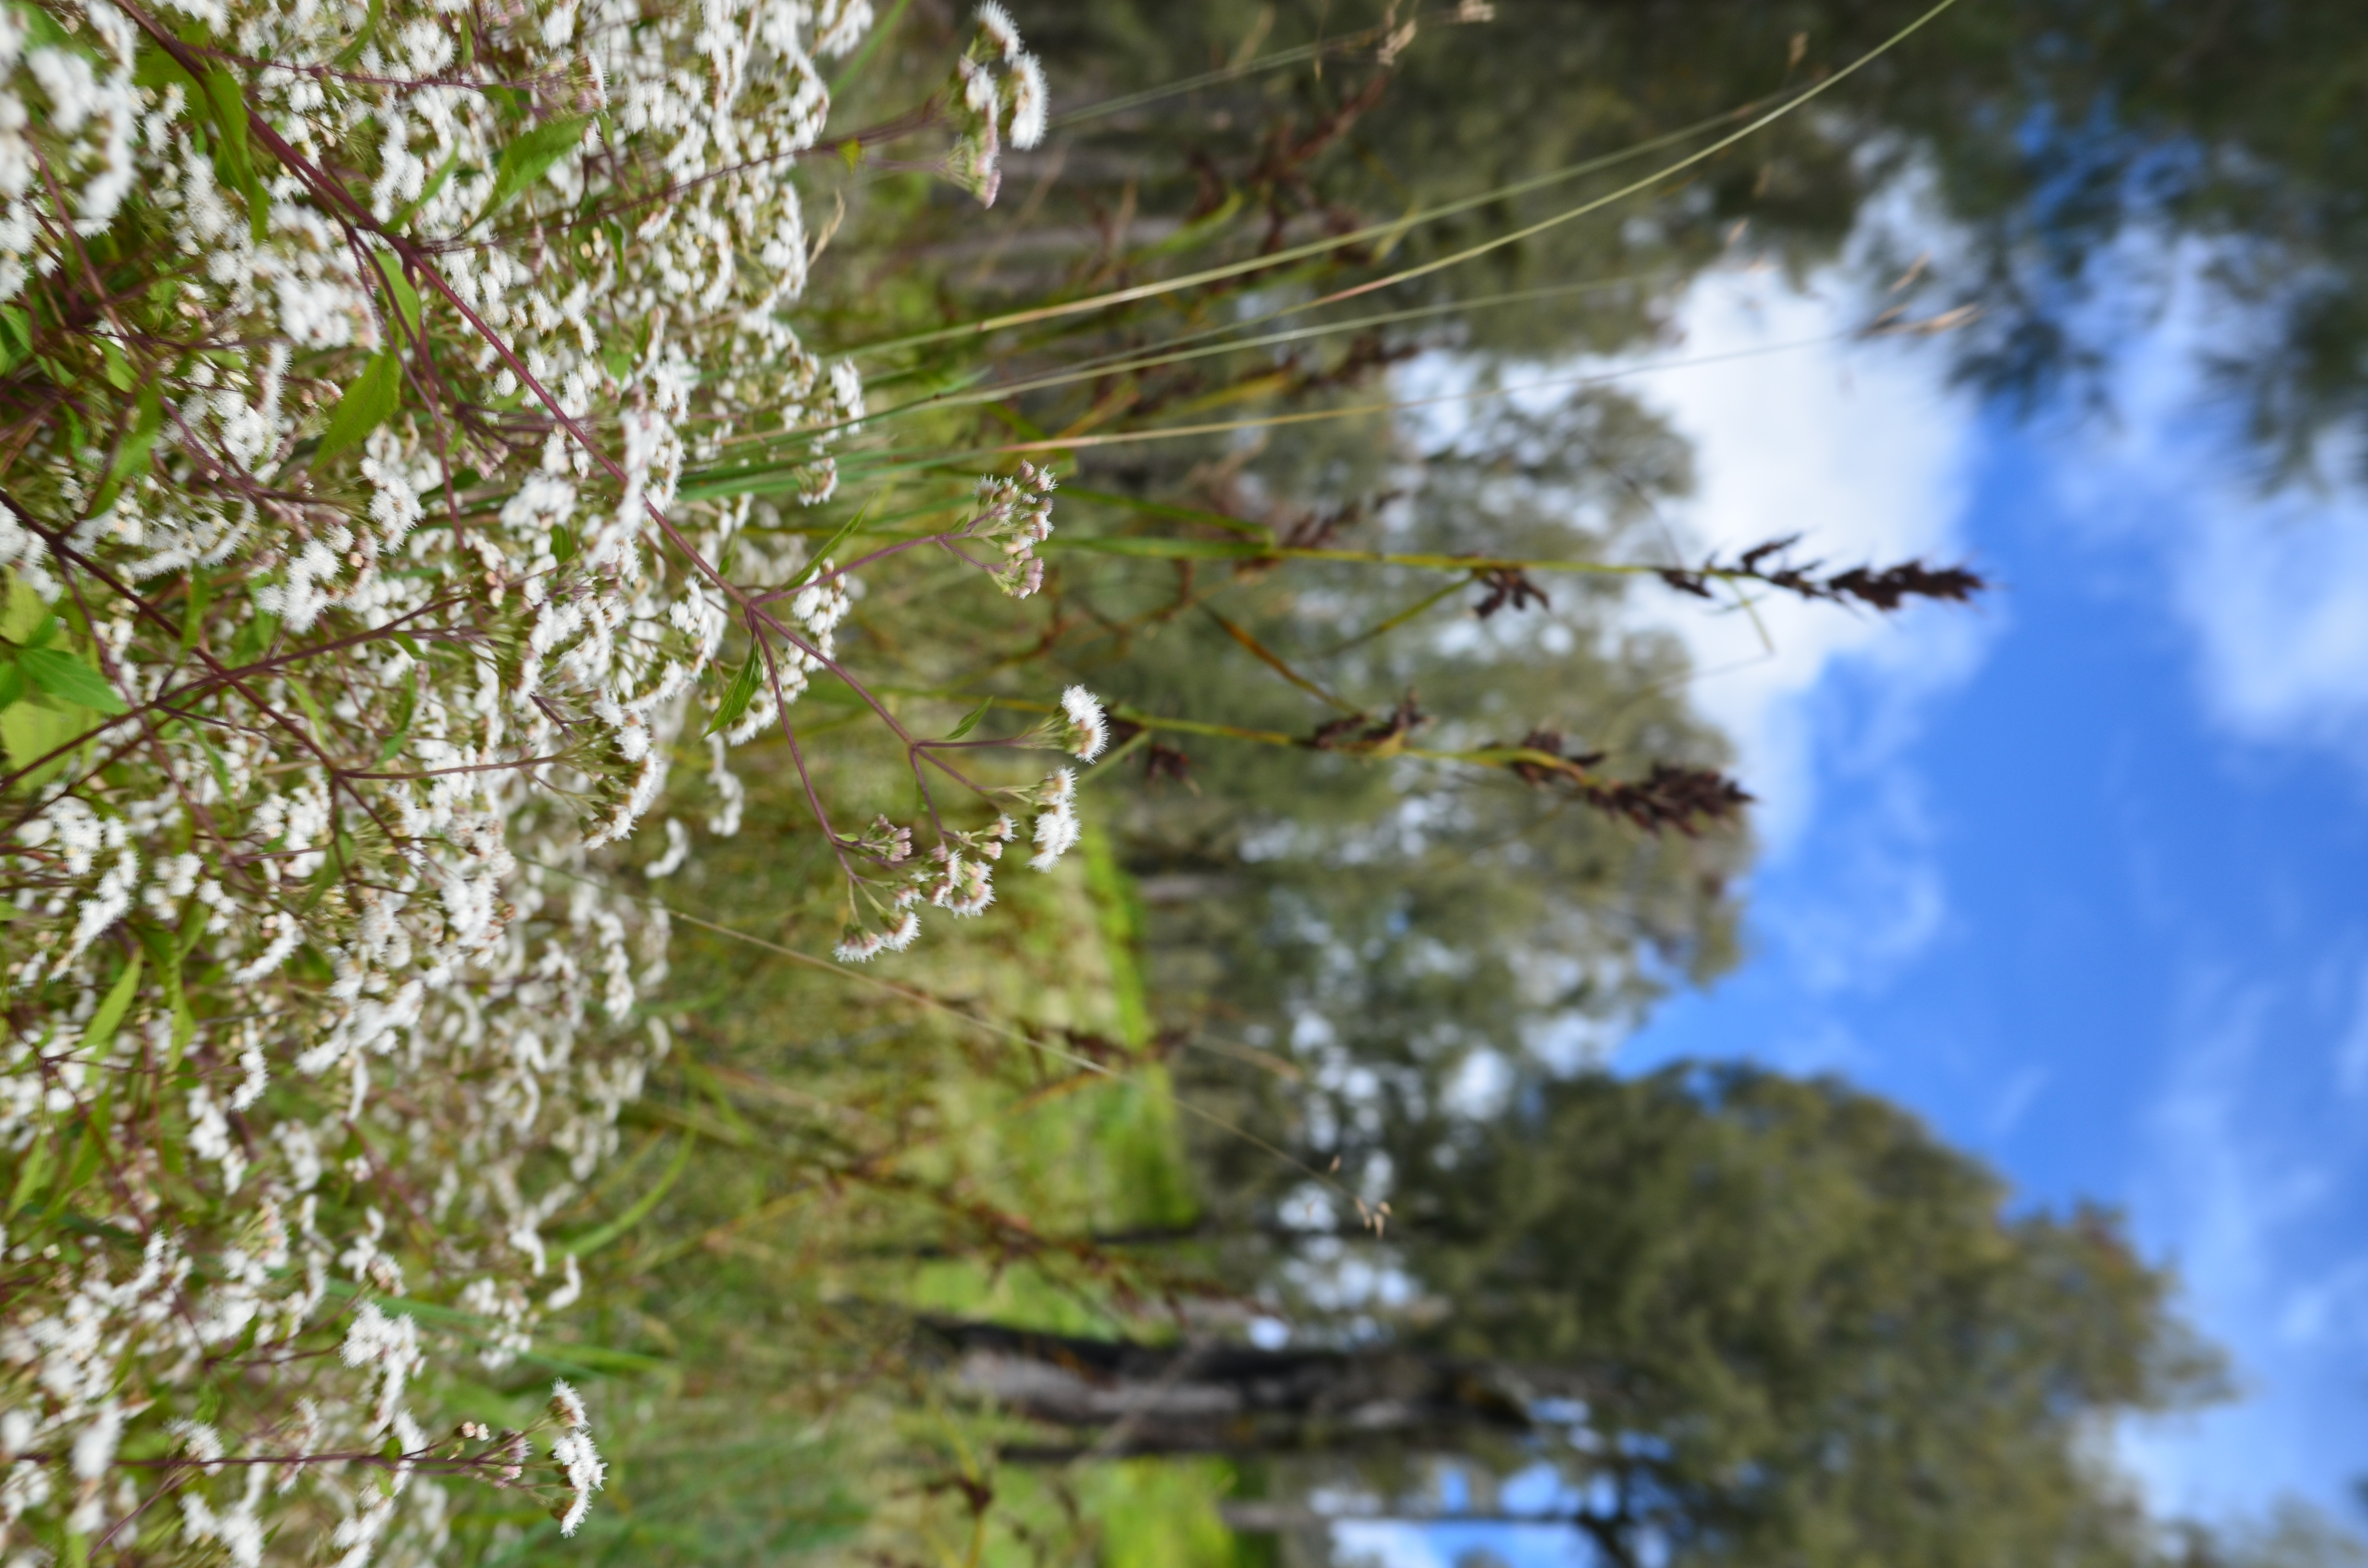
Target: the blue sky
(2081, 876)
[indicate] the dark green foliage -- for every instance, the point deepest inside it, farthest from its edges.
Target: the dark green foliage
(2080, 151)
(1811, 1331)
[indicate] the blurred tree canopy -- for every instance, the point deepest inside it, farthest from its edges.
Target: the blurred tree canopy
(2065, 162)
(1741, 1317)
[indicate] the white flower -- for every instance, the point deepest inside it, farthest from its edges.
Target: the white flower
(1031, 103)
(567, 1405)
(677, 850)
(1058, 831)
(995, 24)
(94, 1446)
(1088, 732)
(580, 1466)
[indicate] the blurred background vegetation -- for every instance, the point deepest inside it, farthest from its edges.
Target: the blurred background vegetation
(1261, 1166)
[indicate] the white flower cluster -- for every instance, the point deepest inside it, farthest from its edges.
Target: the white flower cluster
(998, 88)
(348, 607)
(1015, 511)
(958, 873)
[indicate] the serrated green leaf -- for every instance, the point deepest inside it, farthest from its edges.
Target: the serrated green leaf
(970, 721)
(529, 157)
(68, 679)
(364, 407)
(737, 696)
(100, 1032)
(13, 683)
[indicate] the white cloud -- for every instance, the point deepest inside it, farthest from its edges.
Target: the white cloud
(1858, 448)
(2272, 586)
(1878, 899)
(2239, 1194)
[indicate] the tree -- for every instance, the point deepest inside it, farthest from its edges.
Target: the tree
(2048, 136)
(1745, 1318)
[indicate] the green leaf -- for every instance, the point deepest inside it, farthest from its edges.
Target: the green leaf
(231, 154)
(399, 289)
(970, 721)
(131, 452)
(353, 50)
(739, 695)
(68, 679)
(1164, 549)
(307, 701)
(253, 639)
(13, 685)
(155, 68)
(193, 609)
(24, 612)
(29, 732)
(114, 366)
(31, 1173)
(41, 31)
(100, 1032)
(593, 1242)
(847, 532)
(164, 949)
(365, 406)
(391, 747)
(16, 338)
(529, 157)
(86, 1158)
(426, 192)
(221, 767)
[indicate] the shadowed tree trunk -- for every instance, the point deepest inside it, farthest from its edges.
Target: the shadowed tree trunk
(1125, 1398)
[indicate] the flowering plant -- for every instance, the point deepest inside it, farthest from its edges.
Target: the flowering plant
(351, 358)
